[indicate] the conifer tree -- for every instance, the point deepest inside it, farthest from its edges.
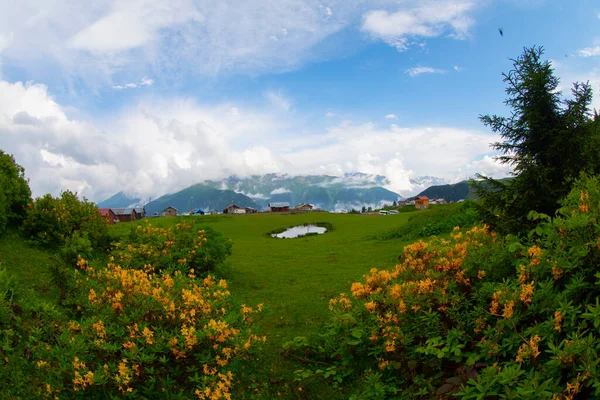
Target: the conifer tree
(545, 139)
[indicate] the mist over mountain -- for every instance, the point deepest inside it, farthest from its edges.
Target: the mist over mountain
(352, 190)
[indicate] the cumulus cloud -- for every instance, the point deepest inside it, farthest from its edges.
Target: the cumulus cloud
(457, 68)
(415, 20)
(329, 114)
(160, 146)
(150, 149)
(391, 116)
(395, 152)
(416, 71)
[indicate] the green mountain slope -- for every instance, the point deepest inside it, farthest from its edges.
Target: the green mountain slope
(453, 192)
(201, 196)
(324, 191)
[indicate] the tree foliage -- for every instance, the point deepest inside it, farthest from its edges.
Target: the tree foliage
(546, 140)
(53, 220)
(14, 191)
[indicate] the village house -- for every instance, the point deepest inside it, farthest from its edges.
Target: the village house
(169, 212)
(279, 207)
(141, 212)
(108, 214)
(125, 214)
(214, 212)
(233, 209)
(250, 210)
(303, 207)
(422, 202)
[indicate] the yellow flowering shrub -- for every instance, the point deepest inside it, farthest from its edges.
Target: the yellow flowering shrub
(182, 247)
(475, 316)
(151, 331)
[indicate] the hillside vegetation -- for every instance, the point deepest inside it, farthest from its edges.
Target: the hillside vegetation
(212, 307)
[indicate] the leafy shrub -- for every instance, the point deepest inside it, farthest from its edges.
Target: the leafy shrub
(437, 221)
(51, 221)
(480, 316)
(183, 247)
(76, 246)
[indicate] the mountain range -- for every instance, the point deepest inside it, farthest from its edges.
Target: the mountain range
(352, 190)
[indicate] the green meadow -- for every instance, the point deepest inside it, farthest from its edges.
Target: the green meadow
(296, 278)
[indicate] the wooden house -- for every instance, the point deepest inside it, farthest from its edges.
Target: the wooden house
(108, 214)
(169, 212)
(250, 210)
(141, 212)
(233, 209)
(422, 202)
(304, 207)
(125, 214)
(279, 207)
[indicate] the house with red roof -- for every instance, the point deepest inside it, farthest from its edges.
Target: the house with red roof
(108, 214)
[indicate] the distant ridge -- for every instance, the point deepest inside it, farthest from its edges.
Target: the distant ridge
(120, 200)
(333, 193)
(451, 192)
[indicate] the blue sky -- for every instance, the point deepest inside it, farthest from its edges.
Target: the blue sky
(153, 96)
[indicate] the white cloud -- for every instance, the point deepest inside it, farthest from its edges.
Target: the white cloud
(391, 116)
(280, 191)
(329, 114)
(416, 71)
(174, 39)
(457, 68)
(589, 51)
(160, 146)
(143, 82)
(424, 19)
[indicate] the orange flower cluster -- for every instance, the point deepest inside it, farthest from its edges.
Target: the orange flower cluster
(420, 281)
(172, 312)
(529, 350)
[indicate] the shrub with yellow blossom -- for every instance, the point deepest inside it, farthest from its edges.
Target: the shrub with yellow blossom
(182, 247)
(151, 332)
(52, 220)
(476, 315)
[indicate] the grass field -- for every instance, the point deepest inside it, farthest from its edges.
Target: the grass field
(295, 278)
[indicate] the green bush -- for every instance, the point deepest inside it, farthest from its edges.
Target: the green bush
(478, 316)
(183, 247)
(51, 221)
(437, 221)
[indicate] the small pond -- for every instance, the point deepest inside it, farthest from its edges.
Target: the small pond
(298, 231)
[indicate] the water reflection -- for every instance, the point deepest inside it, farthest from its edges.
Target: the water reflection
(297, 231)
